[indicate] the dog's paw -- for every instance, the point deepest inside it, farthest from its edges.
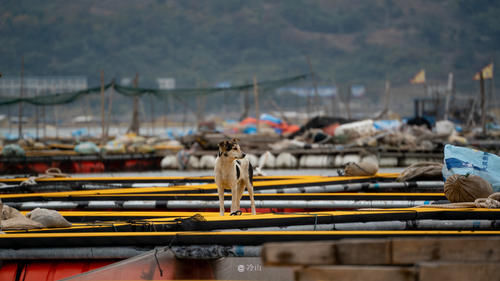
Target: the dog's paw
(236, 213)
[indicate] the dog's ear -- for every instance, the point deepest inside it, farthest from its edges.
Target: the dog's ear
(222, 144)
(235, 140)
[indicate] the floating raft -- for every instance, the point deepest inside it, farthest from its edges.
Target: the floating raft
(272, 194)
(33, 240)
(118, 217)
(87, 221)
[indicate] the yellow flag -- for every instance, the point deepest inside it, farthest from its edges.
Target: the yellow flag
(419, 78)
(487, 72)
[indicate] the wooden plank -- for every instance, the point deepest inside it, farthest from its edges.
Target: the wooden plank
(363, 251)
(413, 250)
(465, 271)
(298, 253)
(355, 273)
(396, 251)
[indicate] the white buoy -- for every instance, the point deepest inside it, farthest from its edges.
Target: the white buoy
(193, 162)
(339, 160)
(207, 162)
(351, 158)
(267, 160)
(388, 162)
(286, 160)
(317, 161)
(254, 160)
(169, 162)
(407, 161)
(370, 159)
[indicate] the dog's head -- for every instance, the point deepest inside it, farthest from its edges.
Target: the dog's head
(230, 149)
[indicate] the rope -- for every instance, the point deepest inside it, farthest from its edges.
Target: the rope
(49, 173)
(56, 173)
(492, 202)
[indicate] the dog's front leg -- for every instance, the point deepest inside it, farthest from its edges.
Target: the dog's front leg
(252, 201)
(220, 190)
(234, 199)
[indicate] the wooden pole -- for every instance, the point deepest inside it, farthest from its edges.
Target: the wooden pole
(103, 129)
(483, 103)
(449, 91)
(20, 111)
(387, 96)
(246, 104)
(335, 103)
(87, 113)
(37, 121)
(110, 108)
(134, 126)
(256, 97)
(56, 120)
(44, 122)
(348, 102)
(315, 84)
(165, 120)
(152, 115)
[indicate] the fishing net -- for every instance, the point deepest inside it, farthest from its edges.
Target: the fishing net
(64, 98)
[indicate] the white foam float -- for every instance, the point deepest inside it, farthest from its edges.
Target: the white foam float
(286, 160)
(254, 160)
(317, 161)
(267, 160)
(407, 161)
(169, 162)
(351, 158)
(339, 160)
(370, 159)
(207, 162)
(193, 162)
(388, 162)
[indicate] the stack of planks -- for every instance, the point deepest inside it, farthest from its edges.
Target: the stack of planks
(396, 259)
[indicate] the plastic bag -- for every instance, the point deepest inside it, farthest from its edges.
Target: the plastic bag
(463, 161)
(13, 150)
(87, 148)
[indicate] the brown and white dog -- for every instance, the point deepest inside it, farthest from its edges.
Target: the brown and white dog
(233, 172)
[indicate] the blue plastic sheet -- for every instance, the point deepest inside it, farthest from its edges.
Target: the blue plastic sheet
(462, 161)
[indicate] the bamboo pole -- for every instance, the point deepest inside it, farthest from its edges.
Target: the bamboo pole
(20, 111)
(256, 97)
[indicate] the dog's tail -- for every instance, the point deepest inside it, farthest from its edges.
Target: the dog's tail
(262, 163)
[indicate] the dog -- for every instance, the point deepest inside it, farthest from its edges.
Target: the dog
(233, 172)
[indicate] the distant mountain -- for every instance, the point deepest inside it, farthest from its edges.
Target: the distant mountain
(204, 42)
